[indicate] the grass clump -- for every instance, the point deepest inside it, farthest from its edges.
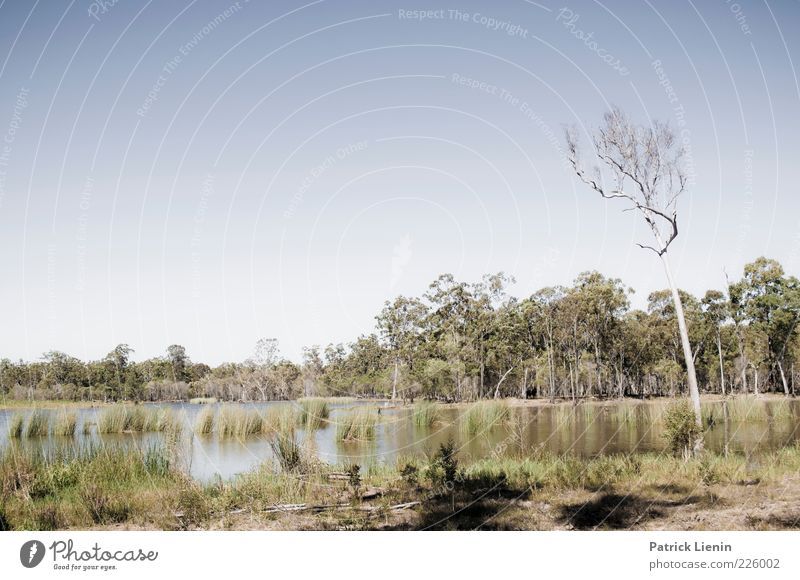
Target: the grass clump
(280, 418)
(484, 415)
(286, 449)
(15, 425)
(65, 424)
(314, 413)
(426, 414)
(204, 425)
(38, 424)
(357, 425)
(681, 429)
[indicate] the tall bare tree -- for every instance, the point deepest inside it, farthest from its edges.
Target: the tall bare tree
(643, 167)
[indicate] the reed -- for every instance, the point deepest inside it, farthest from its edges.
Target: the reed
(15, 425)
(250, 422)
(314, 413)
(426, 414)
(357, 425)
(65, 424)
(38, 424)
(227, 420)
(482, 416)
(204, 425)
(280, 418)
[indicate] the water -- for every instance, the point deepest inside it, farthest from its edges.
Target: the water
(586, 431)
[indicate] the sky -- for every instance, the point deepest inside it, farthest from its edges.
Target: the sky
(209, 173)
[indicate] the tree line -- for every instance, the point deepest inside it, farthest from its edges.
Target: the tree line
(466, 341)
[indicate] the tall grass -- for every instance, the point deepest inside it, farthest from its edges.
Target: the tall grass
(482, 416)
(137, 419)
(280, 418)
(15, 425)
(357, 425)
(65, 424)
(234, 421)
(38, 424)
(204, 425)
(314, 413)
(426, 414)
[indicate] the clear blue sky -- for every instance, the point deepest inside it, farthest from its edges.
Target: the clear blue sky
(207, 173)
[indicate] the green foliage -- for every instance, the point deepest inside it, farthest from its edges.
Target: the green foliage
(443, 466)
(681, 429)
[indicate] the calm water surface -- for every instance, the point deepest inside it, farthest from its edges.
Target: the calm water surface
(587, 430)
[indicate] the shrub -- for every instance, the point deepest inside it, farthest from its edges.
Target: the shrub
(443, 466)
(681, 429)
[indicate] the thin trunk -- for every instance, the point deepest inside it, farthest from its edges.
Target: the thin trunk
(783, 379)
(500, 382)
(694, 392)
(394, 382)
(721, 367)
(524, 393)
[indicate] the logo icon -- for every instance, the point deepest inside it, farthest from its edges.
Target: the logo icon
(31, 553)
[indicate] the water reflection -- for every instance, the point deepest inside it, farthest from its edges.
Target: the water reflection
(586, 430)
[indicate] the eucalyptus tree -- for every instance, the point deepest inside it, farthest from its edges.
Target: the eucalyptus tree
(400, 324)
(643, 168)
(716, 312)
(771, 302)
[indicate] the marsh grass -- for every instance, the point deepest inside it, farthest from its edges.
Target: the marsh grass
(314, 413)
(227, 420)
(426, 414)
(137, 419)
(65, 424)
(280, 418)
(483, 416)
(357, 425)
(204, 424)
(15, 426)
(38, 424)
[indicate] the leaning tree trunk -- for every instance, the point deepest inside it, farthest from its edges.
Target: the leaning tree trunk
(783, 379)
(694, 392)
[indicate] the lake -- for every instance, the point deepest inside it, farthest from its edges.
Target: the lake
(586, 430)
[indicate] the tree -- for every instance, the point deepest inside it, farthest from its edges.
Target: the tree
(400, 324)
(715, 309)
(178, 359)
(643, 164)
(771, 302)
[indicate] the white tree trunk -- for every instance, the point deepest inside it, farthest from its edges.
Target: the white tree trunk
(394, 382)
(783, 379)
(694, 392)
(721, 367)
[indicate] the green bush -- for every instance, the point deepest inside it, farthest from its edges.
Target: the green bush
(681, 429)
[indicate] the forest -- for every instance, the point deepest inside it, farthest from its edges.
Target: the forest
(464, 341)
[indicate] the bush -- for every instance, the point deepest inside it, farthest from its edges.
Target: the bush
(681, 429)
(443, 466)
